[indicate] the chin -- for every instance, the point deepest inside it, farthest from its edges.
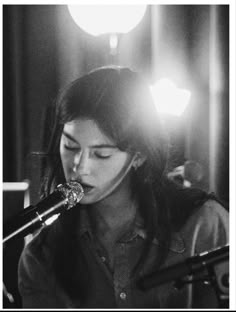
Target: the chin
(87, 200)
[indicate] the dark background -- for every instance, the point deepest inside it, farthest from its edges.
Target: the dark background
(43, 49)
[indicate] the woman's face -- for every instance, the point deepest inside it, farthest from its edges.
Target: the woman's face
(91, 158)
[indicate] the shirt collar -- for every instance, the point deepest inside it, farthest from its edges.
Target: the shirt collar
(136, 230)
(177, 244)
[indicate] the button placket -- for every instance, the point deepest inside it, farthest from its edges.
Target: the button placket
(121, 275)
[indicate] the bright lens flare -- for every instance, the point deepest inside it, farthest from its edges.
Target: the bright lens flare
(168, 98)
(51, 219)
(102, 19)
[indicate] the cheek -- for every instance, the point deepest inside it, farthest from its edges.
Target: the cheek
(110, 171)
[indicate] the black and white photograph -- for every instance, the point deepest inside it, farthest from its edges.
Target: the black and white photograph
(118, 161)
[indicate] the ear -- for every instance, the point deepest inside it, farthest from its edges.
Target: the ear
(138, 161)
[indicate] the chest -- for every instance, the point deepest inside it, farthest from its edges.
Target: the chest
(111, 281)
(108, 246)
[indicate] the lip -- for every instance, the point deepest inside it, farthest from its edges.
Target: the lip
(86, 187)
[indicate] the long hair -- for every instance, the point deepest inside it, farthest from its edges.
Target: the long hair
(119, 101)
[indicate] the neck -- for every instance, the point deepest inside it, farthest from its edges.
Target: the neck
(112, 216)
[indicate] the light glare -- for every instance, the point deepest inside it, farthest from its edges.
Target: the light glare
(168, 98)
(51, 219)
(102, 19)
(113, 41)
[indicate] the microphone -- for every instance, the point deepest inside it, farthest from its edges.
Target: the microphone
(189, 266)
(31, 218)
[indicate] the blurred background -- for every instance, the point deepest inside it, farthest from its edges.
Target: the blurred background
(186, 46)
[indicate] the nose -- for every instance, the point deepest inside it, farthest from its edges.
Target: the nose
(81, 165)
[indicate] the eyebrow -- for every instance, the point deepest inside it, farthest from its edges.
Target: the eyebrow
(70, 137)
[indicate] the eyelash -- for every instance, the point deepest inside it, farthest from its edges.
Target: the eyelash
(76, 149)
(70, 148)
(102, 157)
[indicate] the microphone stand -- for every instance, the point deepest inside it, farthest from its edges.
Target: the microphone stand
(205, 262)
(210, 278)
(32, 218)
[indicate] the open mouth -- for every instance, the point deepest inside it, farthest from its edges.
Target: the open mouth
(87, 188)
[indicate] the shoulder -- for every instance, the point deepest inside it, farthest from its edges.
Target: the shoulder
(36, 278)
(207, 227)
(184, 202)
(39, 251)
(210, 215)
(212, 208)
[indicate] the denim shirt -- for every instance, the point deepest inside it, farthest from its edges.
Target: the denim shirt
(205, 230)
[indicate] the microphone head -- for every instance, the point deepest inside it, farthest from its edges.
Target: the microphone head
(72, 191)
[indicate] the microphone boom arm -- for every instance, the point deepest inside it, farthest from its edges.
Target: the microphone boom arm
(189, 266)
(33, 217)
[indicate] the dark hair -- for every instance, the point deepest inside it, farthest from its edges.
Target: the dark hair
(119, 101)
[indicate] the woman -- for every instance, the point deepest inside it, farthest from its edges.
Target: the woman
(131, 221)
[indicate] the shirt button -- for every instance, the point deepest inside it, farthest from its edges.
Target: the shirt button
(103, 259)
(123, 295)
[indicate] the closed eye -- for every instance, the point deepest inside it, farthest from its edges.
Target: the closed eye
(104, 152)
(71, 148)
(101, 155)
